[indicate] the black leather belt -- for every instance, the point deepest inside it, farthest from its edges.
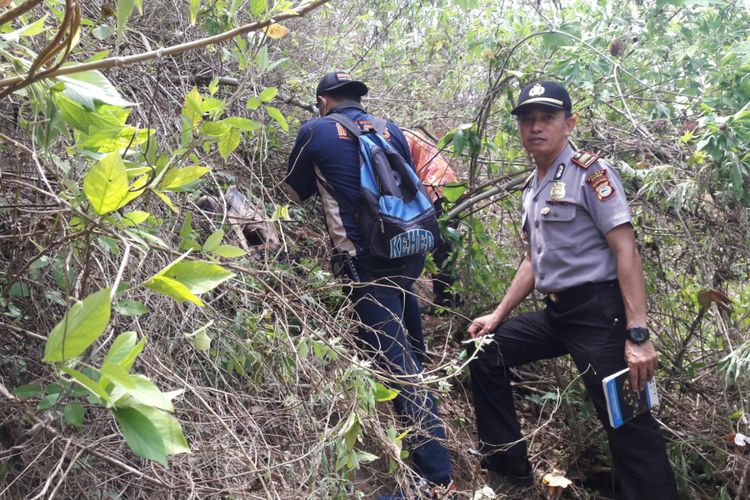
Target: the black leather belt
(577, 293)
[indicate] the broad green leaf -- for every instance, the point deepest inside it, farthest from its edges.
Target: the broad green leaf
(80, 327)
(253, 103)
(268, 93)
(132, 219)
(121, 347)
(29, 30)
(382, 393)
(198, 277)
(214, 240)
(117, 138)
(88, 383)
(144, 392)
(106, 184)
(228, 251)
(141, 434)
(116, 374)
(276, 115)
(102, 31)
(229, 142)
(215, 129)
(169, 430)
(89, 87)
(73, 414)
(194, 6)
(28, 391)
(124, 9)
(130, 358)
(192, 107)
(173, 289)
(131, 308)
(242, 123)
(453, 191)
(178, 178)
(258, 7)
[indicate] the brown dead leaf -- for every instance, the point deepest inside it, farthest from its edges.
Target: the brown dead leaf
(4, 3)
(706, 297)
(277, 31)
(556, 483)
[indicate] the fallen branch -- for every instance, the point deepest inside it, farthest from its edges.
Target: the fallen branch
(119, 62)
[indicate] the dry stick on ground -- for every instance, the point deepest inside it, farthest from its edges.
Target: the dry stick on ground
(119, 62)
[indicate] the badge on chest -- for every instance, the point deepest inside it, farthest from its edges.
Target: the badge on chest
(557, 190)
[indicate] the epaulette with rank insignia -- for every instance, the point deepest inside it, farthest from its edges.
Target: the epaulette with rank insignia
(585, 159)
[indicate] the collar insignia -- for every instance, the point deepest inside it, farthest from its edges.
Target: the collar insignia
(559, 172)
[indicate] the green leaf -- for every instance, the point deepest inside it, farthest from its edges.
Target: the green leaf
(117, 374)
(268, 93)
(194, 6)
(178, 178)
(106, 184)
(215, 129)
(172, 288)
(382, 393)
(228, 251)
(169, 430)
(88, 383)
(121, 347)
(73, 414)
(124, 9)
(131, 308)
(28, 391)
(192, 107)
(80, 327)
(89, 87)
(132, 219)
(453, 191)
(198, 277)
(141, 434)
(229, 142)
(276, 115)
(242, 123)
(253, 103)
(202, 341)
(214, 240)
(102, 31)
(144, 392)
(130, 358)
(166, 200)
(258, 7)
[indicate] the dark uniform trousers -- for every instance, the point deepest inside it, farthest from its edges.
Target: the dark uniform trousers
(384, 302)
(587, 322)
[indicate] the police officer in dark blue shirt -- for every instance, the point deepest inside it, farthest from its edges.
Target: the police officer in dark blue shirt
(581, 254)
(325, 160)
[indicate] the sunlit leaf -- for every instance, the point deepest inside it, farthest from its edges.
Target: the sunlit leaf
(79, 328)
(276, 31)
(178, 178)
(141, 435)
(276, 115)
(106, 184)
(172, 288)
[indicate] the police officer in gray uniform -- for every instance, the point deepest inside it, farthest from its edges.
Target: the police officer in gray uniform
(581, 255)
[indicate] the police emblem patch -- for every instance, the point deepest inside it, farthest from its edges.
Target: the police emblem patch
(600, 183)
(557, 191)
(536, 90)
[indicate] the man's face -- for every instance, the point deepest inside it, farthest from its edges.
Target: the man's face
(544, 131)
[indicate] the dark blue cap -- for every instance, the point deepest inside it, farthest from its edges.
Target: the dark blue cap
(545, 93)
(338, 81)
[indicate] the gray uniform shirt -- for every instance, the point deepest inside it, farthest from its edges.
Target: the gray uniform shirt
(565, 218)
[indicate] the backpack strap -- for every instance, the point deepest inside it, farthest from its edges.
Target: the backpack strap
(346, 122)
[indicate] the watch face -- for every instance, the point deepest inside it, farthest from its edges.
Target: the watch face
(638, 335)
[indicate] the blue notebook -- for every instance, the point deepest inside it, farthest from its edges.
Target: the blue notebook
(624, 403)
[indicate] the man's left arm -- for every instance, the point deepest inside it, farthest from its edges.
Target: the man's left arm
(608, 206)
(642, 359)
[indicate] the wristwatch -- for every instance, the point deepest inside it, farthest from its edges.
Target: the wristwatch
(637, 335)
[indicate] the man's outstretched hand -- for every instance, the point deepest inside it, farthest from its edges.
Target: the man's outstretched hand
(642, 360)
(484, 325)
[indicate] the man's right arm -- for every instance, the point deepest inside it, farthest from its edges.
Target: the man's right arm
(300, 176)
(520, 288)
